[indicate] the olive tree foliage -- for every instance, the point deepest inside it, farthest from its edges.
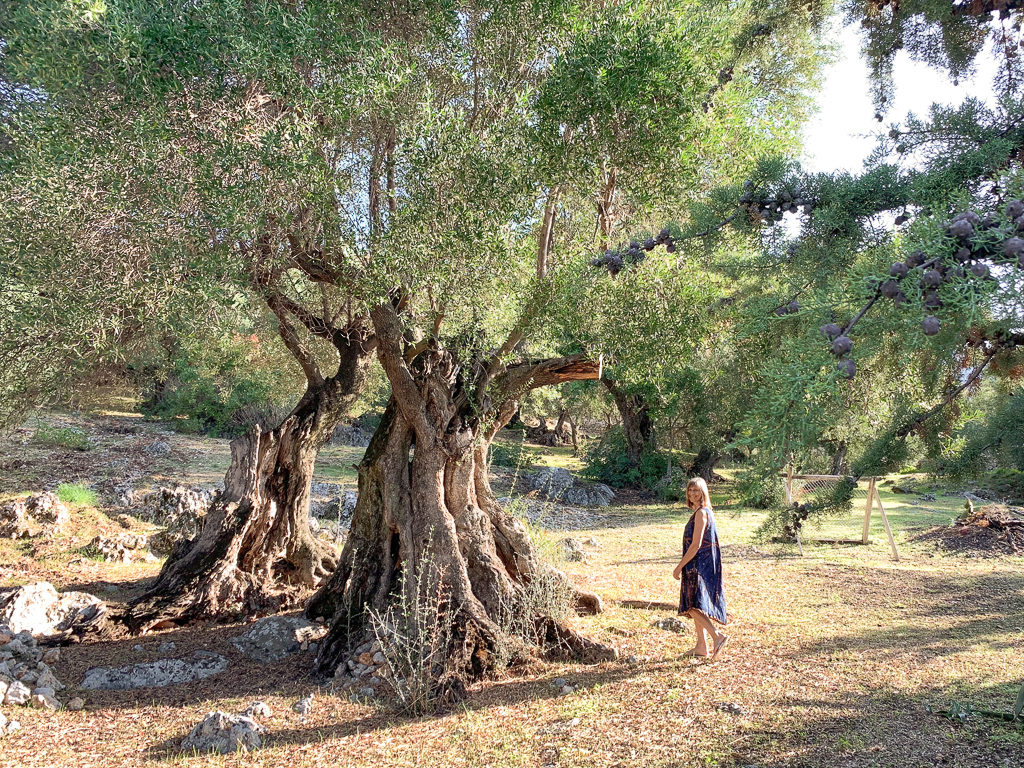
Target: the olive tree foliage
(893, 291)
(657, 322)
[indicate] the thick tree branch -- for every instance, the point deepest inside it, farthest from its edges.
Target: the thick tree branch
(294, 344)
(392, 358)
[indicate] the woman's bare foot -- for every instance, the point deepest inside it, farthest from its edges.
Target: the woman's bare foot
(701, 651)
(719, 645)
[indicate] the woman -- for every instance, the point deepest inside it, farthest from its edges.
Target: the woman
(700, 596)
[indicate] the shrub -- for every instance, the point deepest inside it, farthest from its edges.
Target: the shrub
(224, 396)
(62, 437)
(416, 636)
(76, 493)
(511, 453)
(761, 489)
(607, 462)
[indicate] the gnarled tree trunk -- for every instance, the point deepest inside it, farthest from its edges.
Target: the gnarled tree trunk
(703, 464)
(425, 504)
(637, 427)
(256, 550)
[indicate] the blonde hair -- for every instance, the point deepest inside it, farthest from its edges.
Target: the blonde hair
(705, 495)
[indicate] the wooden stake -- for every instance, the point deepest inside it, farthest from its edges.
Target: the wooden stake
(865, 536)
(885, 519)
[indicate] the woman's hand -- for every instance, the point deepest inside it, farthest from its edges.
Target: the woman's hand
(678, 572)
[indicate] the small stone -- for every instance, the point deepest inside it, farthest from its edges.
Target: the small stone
(378, 658)
(52, 656)
(367, 693)
(12, 726)
(138, 648)
(375, 681)
(559, 682)
(257, 709)
(731, 708)
(75, 704)
(47, 679)
(366, 659)
(167, 647)
(44, 698)
(224, 733)
(314, 647)
(567, 689)
(17, 693)
(304, 705)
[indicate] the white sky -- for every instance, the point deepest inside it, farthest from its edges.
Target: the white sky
(841, 135)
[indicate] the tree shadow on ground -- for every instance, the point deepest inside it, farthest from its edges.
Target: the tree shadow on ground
(498, 694)
(978, 609)
(883, 729)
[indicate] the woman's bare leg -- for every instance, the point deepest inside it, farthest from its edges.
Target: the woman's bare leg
(705, 624)
(701, 648)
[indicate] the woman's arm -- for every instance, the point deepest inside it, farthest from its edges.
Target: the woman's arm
(700, 522)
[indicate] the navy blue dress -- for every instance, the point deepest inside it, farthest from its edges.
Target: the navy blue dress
(701, 586)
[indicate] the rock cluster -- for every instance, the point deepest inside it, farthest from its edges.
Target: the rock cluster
(42, 514)
(225, 733)
(275, 637)
(350, 434)
(555, 517)
(330, 510)
(26, 677)
(180, 510)
(364, 673)
(122, 548)
(557, 484)
(40, 611)
(155, 674)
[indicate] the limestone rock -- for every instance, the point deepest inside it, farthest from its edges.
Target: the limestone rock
(158, 448)
(17, 693)
(275, 637)
(123, 548)
(40, 515)
(44, 698)
(46, 679)
(350, 434)
(38, 609)
(180, 509)
(76, 704)
(155, 674)
(557, 484)
(224, 733)
(8, 726)
(672, 624)
(304, 705)
(574, 550)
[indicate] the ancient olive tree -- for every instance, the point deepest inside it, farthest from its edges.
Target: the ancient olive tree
(167, 159)
(503, 196)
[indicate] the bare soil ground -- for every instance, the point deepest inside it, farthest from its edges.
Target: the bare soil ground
(833, 656)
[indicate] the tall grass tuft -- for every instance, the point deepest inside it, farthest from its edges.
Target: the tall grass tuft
(76, 493)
